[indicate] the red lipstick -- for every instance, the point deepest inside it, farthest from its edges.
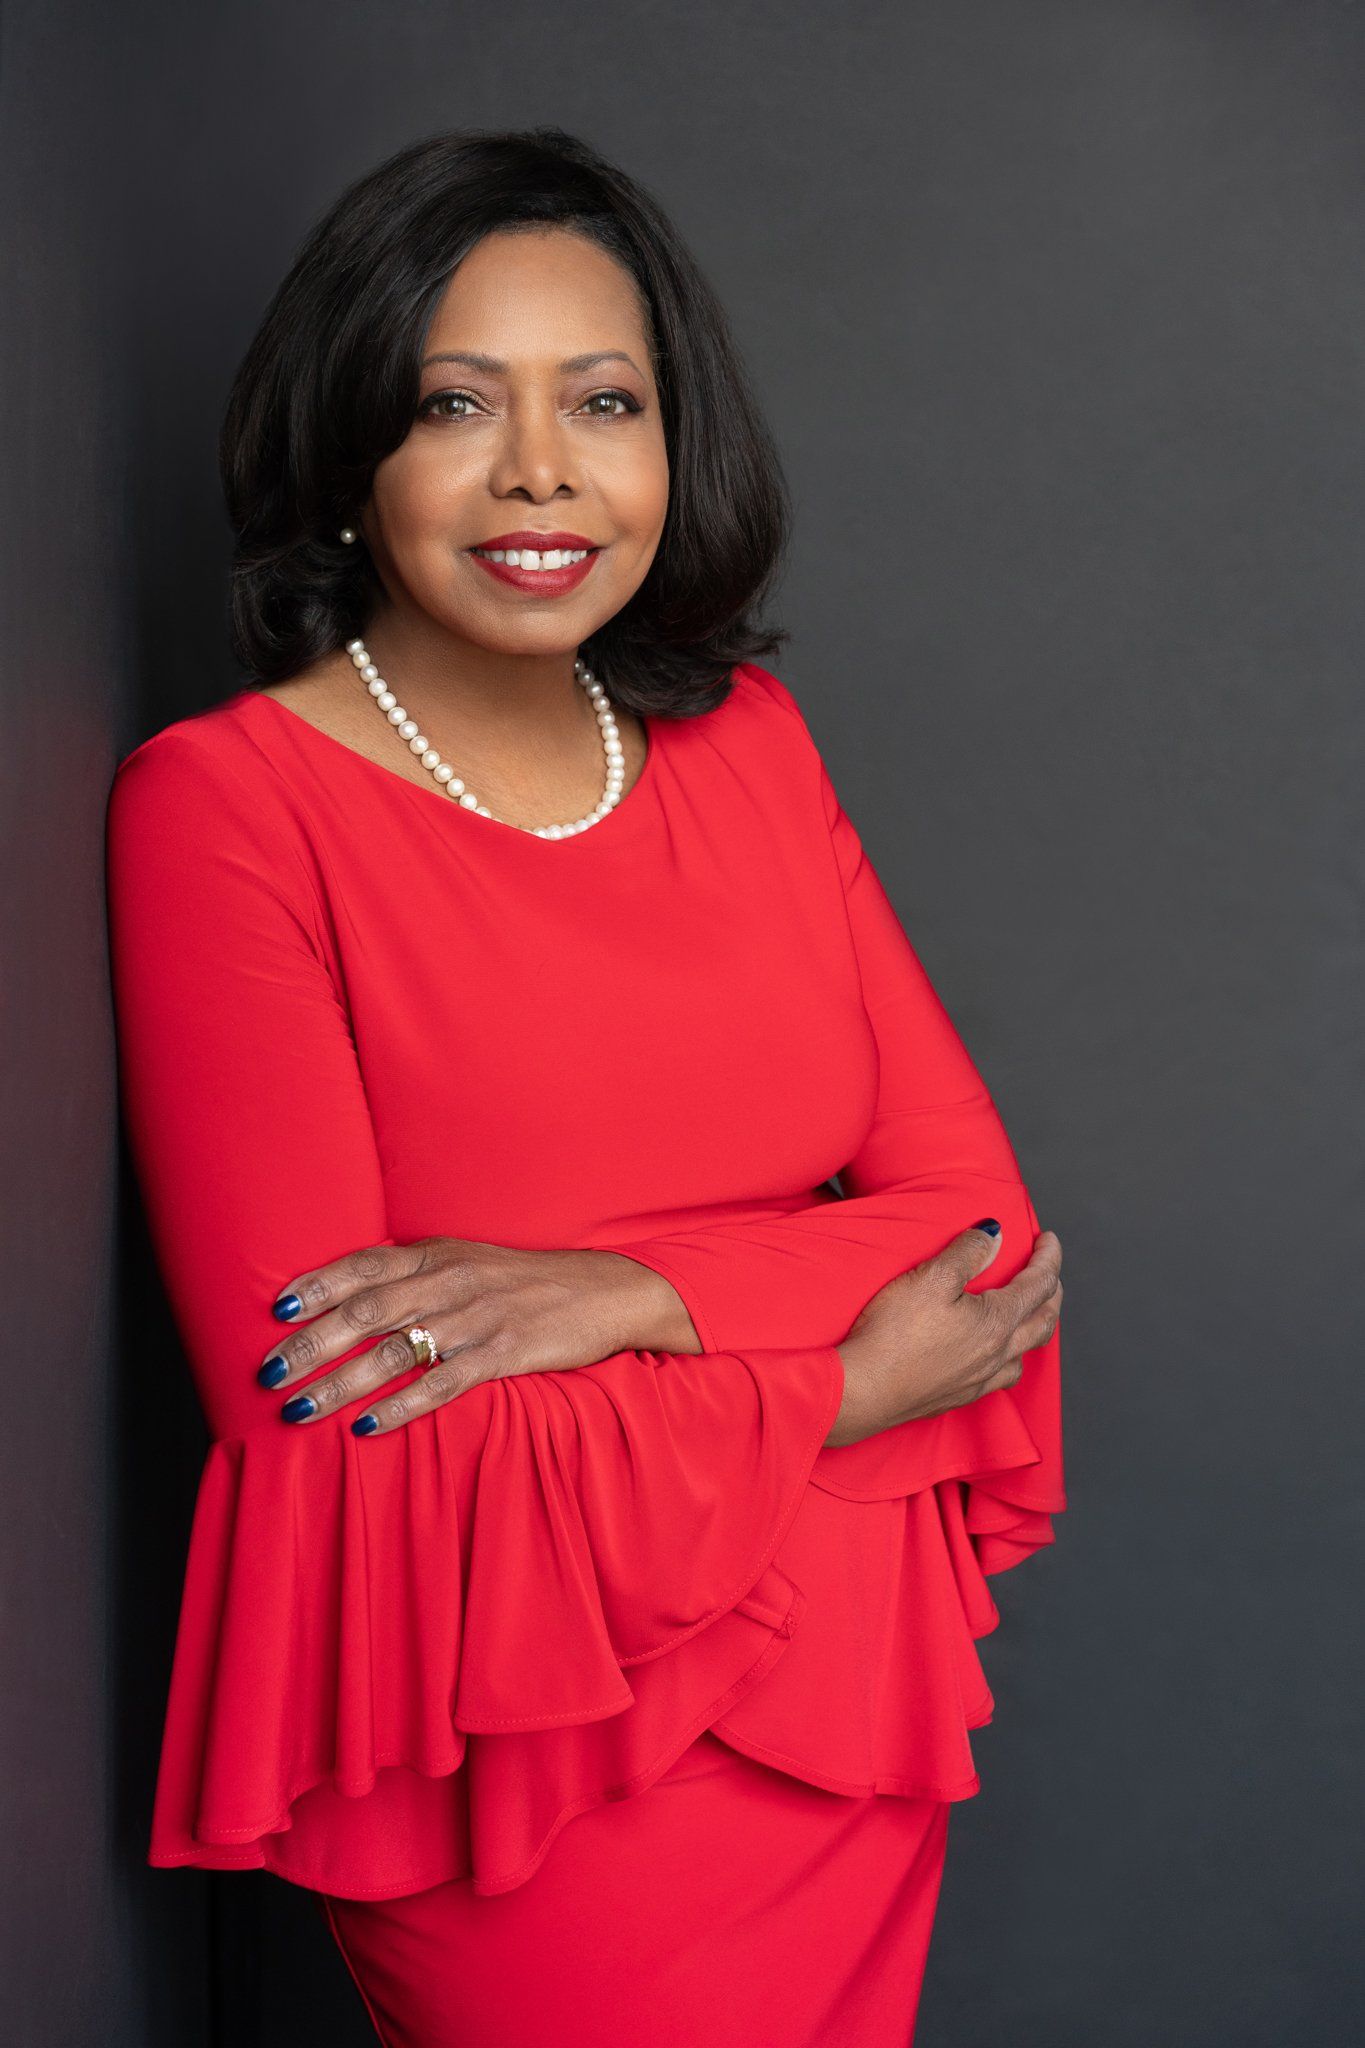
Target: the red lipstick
(538, 582)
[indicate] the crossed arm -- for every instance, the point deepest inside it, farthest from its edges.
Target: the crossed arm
(235, 1050)
(934, 1161)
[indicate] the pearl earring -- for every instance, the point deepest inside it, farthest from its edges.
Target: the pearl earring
(347, 535)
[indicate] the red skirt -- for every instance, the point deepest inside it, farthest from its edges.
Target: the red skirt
(726, 1906)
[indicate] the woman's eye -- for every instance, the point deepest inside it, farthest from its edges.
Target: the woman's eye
(625, 398)
(429, 405)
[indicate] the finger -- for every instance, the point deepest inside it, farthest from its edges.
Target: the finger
(353, 1381)
(452, 1375)
(1005, 1362)
(1032, 1284)
(368, 1313)
(968, 1254)
(308, 1294)
(1036, 1329)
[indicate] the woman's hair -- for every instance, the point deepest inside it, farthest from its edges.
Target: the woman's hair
(331, 382)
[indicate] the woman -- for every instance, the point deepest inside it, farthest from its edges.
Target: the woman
(587, 1563)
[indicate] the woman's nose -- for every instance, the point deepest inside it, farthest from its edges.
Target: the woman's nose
(536, 454)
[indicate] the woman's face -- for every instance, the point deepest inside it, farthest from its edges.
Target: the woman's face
(538, 413)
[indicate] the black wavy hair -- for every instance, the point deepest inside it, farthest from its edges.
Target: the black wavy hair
(331, 381)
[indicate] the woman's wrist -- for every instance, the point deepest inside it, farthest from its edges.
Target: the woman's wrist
(644, 1310)
(868, 1405)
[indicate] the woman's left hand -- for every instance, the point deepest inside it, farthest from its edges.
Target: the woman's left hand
(492, 1310)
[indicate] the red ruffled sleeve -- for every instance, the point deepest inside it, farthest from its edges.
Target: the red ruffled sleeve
(529, 1600)
(974, 1490)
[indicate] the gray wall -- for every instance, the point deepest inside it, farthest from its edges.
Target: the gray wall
(1057, 310)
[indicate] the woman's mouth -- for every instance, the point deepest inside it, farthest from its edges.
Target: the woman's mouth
(545, 572)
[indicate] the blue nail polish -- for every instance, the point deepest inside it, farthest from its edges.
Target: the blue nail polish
(301, 1405)
(273, 1371)
(286, 1308)
(364, 1425)
(989, 1225)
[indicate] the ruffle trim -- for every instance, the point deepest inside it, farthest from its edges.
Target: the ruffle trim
(417, 1657)
(892, 1549)
(466, 1595)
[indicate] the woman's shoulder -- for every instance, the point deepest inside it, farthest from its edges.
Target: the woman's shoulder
(211, 735)
(765, 727)
(206, 768)
(762, 714)
(763, 694)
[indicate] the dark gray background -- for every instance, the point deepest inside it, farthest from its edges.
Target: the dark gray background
(1057, 310)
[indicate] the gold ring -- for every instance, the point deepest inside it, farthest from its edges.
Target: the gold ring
(423, 1345)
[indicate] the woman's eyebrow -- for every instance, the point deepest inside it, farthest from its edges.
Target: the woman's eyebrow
(497, 369)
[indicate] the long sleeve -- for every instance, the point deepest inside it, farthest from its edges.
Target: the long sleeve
(935, 1159)
(242, 1096)
(354, 1605)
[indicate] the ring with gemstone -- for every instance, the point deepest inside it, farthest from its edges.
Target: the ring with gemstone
(423, 1345)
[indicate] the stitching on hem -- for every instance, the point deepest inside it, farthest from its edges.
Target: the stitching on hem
(901, 1788)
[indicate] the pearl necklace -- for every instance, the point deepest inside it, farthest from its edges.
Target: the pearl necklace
(407, 729)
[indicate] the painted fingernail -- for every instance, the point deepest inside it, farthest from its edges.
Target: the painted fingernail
(365, 1425)
(287, 1307)
(298, 1408)
(273, 1371)
(989, 1225)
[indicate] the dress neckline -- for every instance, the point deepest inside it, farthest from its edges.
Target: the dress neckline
(612, 825)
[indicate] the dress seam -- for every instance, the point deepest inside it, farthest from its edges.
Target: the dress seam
(355, 1974)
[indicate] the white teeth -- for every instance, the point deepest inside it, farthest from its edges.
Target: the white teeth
(531, 558)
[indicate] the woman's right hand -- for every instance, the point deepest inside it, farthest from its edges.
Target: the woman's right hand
(924, 1345)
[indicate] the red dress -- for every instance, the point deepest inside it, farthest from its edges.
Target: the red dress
(352, 1012)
